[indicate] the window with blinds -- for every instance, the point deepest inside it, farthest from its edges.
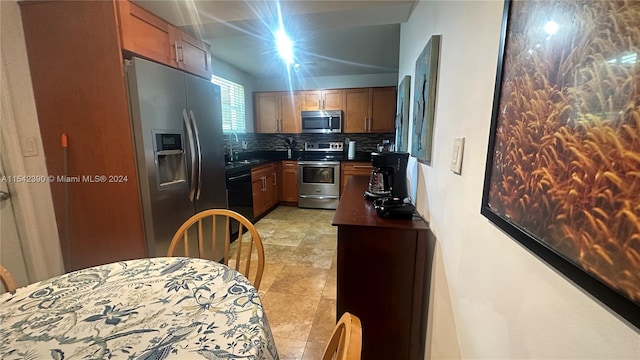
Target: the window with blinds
(232, 98)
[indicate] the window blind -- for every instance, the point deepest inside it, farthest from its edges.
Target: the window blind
(233, 107)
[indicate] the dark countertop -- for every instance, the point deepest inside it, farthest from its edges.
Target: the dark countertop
(354, 209)
(254, 158)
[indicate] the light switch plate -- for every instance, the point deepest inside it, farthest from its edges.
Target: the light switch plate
(29, 147)
(244, 145)
(456, 156)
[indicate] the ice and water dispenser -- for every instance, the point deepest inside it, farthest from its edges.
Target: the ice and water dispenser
(169, 158)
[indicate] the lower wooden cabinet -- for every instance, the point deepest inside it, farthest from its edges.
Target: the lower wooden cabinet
(264, 187)
(384, 272)
(349, 169)
(289, 181)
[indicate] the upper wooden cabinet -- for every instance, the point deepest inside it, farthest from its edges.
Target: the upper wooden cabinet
(147, 35)
(369, 110)
(277, 112)
(322, 99)
(190, 54)
(144, 34)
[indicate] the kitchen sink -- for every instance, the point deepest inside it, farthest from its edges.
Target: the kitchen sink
(241, 163)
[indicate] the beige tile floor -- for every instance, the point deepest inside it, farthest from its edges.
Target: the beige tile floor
(298, 288)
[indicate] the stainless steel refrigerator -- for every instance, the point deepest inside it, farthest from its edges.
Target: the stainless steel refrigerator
(177, 126)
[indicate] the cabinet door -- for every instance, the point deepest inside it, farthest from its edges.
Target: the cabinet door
(144, 34)
(356, 110)
(257, 189)
(290, 121)
(289, 181)
(272, 187)
(350, 169)
(311, 99)
(267, 112)
(190, 54)
(332, 99)
(383, 110)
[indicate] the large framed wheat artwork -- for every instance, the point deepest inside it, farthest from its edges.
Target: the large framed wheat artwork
(563, 166)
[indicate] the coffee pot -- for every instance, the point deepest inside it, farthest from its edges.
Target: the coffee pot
(380, 182)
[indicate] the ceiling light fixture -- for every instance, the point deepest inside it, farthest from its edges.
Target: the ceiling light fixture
(285, 46)
(551, 27)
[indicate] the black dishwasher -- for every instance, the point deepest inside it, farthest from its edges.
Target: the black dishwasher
(239, 195)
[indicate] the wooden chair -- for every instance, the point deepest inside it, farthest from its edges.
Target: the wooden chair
(346, 340)
(214, 219)
(7, 280)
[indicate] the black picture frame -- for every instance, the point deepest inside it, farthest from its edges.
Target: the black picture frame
(547, 246)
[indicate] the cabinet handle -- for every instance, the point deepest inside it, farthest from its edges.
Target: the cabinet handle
(361, 167)
(365, 123)
(323, 104)
(275, 181)
(319, 104)
(179, 58)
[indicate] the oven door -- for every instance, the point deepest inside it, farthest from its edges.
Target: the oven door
(318, 184)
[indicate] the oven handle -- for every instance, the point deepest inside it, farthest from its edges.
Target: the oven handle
(320, 163)
(319, 197)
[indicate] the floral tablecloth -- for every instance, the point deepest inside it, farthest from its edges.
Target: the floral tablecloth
(153, 308)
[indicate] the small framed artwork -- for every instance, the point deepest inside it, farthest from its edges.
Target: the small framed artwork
(563, 164)
(424, 104)
(402, 117)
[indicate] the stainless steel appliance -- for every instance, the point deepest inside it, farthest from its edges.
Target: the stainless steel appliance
(177, 127)
(389, 175)
(322, 121)
(319, 175)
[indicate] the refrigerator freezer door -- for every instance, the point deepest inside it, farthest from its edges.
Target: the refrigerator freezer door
(203, 99)
(157, 101)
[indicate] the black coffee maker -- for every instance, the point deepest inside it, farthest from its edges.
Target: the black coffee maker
(389, 176)
(388, 185)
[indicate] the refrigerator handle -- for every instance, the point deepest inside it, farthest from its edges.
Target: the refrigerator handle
(192, 178)
(197, 136)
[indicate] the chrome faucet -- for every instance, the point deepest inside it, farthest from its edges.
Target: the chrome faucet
(231, 145)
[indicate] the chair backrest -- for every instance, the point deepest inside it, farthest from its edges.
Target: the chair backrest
(7, 280)
(346, 340)
(198, 236)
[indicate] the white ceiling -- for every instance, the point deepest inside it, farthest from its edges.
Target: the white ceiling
(331, 37)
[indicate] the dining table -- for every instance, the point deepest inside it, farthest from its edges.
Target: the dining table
(151, 308)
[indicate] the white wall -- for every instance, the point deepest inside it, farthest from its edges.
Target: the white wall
(33, 206)
(492, 298)
(327, 82)
(226, 71)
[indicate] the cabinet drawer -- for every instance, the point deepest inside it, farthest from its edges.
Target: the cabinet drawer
(358, 167)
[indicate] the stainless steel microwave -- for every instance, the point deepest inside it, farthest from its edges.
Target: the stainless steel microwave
(322, 121)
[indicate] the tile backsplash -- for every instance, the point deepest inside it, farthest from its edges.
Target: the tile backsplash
(263, 142)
